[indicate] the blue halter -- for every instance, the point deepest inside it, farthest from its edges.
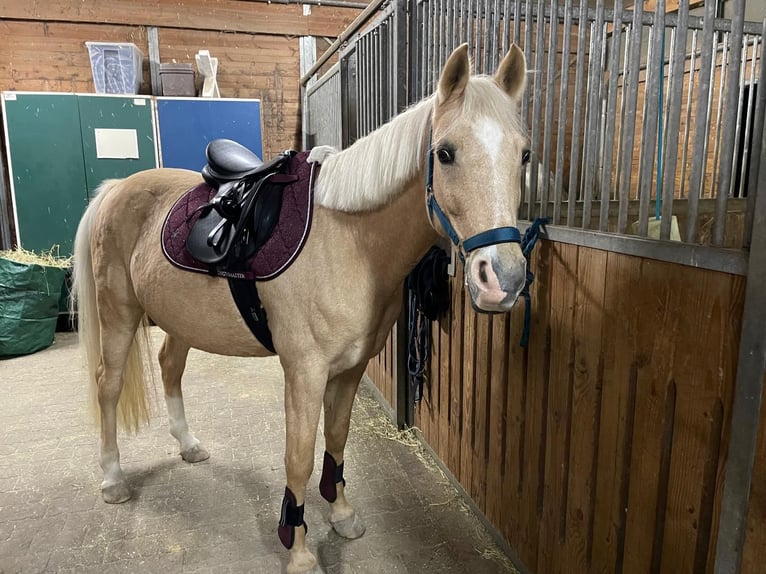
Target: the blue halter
(465, 246)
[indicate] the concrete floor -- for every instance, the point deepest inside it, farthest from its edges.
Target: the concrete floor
(219, 515)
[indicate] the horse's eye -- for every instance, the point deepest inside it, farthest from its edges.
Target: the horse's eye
(525, 156)
(445, 155)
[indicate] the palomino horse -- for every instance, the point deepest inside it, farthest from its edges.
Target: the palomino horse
(457, 155)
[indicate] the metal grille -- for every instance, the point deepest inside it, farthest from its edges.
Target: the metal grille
(376, 99)
(641, 122)
(325, 110)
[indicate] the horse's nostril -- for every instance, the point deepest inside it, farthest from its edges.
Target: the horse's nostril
(483, 271)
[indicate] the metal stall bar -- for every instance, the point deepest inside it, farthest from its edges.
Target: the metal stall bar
(528, 192)
(748, 390)
(615, 49)
(532, 167)
(593, 114)
(517, 23)
(628, 127)
(670, 148)
(689, 96)
(655, 75)
(506, 30)
(758, 125)
(719, 107)
(549, 101)
(730, 118)
(494, 28)
(702, 119)
(453, 25)
(385, 69)
(748, 112)
(563, 114)
(480, 38)
(574, 178)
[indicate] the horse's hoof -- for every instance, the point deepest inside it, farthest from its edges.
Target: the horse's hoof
(195, 454)
(351, 527)
(116, 493)
(317, 569)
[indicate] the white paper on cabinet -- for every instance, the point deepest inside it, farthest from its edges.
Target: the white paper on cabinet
(116, 144)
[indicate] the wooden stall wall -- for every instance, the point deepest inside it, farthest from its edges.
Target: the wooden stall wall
(600, 447)
(382, 372)
(43, 47)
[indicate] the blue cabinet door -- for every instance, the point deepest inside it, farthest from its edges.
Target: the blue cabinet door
(186, 125)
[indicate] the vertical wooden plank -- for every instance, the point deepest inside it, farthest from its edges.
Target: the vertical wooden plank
(534, 440)
(653, 430)
(456, 374)
(698, 429)
(512, 517)
(553, 522)
(482, 368)
(729, 363)
(445, 381)
(390, 360)
(585, 406)
(469, 390)
(618, 397)
(498, 390)
(430, 398)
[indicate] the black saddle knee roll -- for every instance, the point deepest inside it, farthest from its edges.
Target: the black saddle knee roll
(291, 517)
(332, 474)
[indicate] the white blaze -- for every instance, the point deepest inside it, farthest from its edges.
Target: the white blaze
(490, 135)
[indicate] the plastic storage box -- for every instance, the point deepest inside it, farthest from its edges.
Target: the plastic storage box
(116, 67)
(177, 80)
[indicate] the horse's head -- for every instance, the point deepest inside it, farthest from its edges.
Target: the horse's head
(478, 149)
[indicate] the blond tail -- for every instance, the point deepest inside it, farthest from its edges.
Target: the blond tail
(133, 408)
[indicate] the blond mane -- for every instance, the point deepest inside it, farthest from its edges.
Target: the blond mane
(374, 170)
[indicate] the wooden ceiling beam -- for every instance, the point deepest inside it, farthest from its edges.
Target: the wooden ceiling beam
(215, 15)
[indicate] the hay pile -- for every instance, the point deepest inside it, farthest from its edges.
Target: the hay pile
(50, 258)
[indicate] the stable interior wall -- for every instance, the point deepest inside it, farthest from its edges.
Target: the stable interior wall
(256, 43)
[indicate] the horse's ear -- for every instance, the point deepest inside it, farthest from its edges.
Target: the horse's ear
(454, 76)
(511, 76)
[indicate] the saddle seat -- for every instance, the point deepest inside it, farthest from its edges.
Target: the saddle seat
(228, 160)
(241, 217)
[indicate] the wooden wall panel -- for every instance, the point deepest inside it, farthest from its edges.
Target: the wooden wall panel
(256, 44)
(252, 17)
(381, 371)
(599, 448)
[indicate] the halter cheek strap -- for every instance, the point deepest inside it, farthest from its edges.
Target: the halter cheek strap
(464, 247)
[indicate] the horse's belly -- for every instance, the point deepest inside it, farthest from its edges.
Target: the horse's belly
(194, 307)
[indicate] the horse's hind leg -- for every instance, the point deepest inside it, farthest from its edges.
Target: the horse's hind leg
(117, 332)
(338, 401)
(172, 359)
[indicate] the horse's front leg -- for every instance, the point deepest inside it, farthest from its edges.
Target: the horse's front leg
(304, 388)
(338, 400)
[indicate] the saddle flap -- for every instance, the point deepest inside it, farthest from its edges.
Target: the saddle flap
(210, 238)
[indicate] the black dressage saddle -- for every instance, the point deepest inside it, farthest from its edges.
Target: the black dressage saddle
(240, 218)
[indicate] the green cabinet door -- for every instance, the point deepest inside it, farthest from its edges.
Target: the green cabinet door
(46, 168)
(117, 137)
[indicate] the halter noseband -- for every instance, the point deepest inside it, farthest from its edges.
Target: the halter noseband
(464, 247)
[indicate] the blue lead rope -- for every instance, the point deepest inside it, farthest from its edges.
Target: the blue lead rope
(528, 242)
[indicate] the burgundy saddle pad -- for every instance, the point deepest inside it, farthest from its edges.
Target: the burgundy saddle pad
(279, 251)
